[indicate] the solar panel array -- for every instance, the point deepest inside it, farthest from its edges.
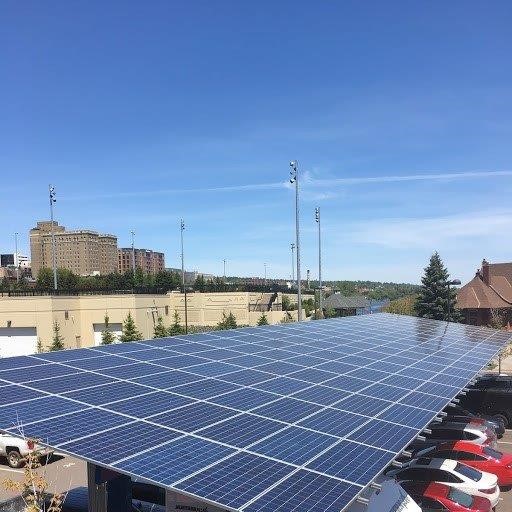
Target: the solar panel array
(274, 418)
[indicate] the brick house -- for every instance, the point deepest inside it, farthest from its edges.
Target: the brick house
(489, 291)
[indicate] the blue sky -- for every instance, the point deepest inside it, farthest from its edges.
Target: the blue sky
(141, 113)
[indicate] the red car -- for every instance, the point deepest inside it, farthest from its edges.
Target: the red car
(435, 496)
(483, 458)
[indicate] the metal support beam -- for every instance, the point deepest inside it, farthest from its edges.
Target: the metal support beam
(108, 491)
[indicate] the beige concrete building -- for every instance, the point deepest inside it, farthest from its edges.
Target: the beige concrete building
(83, 251)
(25, 320)
(149, 261)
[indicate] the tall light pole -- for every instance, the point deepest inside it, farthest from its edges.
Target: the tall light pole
(182, 228)
(16, 258)
(265, 265)
(294, 178)
(51, 190)
(317, 218)
(133, 251)
(292, 246)
(224, 269)
(454, 282)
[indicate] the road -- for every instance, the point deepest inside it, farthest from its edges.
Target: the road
(63, 473)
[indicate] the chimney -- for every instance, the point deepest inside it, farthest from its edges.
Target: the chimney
(485, 272)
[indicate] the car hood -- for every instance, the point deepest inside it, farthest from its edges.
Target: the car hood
(488, 480)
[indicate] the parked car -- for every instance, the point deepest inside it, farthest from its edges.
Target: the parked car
(491, 395)
(483, 458)
(457, 413)
(452, 473)
(432, 496)
(15, 449)
(390, 498)
(454, 431)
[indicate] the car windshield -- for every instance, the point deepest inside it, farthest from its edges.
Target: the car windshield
(468, 472)
(495, 454)
(461, 498)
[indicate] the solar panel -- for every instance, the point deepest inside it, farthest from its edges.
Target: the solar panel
(275, 418)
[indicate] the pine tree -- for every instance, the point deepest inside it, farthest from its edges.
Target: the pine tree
(160, 331)
(263, 320)
(130, 332)
(227, 322)
(107, 336)
(175, 328)
(432, 301)
(58, 340)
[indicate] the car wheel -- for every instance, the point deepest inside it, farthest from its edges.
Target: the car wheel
(502, 418)
(14, 459)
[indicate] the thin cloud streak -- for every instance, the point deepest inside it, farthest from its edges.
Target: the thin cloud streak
(307, 181)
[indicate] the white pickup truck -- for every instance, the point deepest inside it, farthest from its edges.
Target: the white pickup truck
(15, 449)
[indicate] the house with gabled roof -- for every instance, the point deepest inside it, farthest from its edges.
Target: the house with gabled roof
(487, 294)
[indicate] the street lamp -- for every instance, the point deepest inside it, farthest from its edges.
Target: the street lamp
(182, 228)
(317, 218)
(16, 258)
(51, 190)
(224, 269)
(292, 246)
(133, 251)
(453, 282)
(265, 265)
(294, 178)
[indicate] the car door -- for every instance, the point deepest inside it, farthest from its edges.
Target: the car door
(430, 505)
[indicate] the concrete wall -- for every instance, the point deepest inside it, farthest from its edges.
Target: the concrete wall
(76, 315)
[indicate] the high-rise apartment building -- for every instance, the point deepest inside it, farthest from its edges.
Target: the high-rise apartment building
(150, 262)
(83, 251)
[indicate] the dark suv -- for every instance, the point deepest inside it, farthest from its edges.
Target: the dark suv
(491, 395)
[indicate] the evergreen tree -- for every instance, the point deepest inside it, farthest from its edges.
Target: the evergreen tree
(227, 322)
(107, 336)
(130, 332)
(160, 330)
(262, 320)
(44, 279)
(175, 328)
(432, 301)
(58, 340)
(200, 283)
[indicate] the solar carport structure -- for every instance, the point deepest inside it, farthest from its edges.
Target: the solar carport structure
(296, 417)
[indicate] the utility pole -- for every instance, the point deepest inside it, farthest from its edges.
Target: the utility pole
(317, 218)
(293, 261)
(294, 178)
(16, 258)
(54, 251)
(182, 228)
(133, 251)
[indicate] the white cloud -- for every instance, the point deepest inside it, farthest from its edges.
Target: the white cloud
(433, 232)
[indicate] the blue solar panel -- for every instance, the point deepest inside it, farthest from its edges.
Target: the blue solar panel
(242, 430)
(309, 491)
(120, 442)
(193, 417)
(288, 409)
(298, 399)
(236, 480)
(321, 395)
(339, 461)
(167, 464)
(294, 445)
(11, 394)
(155, 402)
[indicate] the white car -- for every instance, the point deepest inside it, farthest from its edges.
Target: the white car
(452, 473)
(15, 449)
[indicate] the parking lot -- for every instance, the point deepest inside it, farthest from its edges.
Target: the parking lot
(65, 473)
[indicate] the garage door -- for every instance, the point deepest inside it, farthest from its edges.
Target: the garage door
(116, 329)
(17, 341)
